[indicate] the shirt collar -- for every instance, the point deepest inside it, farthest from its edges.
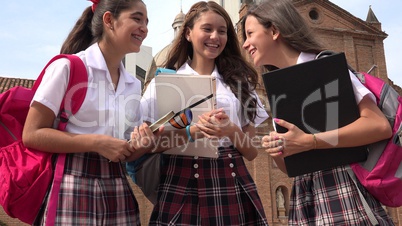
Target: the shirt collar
(186, 68)
(94, 57)
(304, 57)
(96, 61)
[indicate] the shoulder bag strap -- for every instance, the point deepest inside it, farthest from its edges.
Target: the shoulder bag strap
(73, 98)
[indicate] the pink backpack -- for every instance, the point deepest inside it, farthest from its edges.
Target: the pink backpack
(26, 174)
(381, 173)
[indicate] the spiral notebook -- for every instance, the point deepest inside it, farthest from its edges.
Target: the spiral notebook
(316, 96)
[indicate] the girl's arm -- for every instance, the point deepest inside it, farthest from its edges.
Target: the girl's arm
(169, 139)
(39, 134)
(372, 126)
(243, 141)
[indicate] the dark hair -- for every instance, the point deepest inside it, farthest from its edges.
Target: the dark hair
(293, 29)
(89, 27)
(237, 73)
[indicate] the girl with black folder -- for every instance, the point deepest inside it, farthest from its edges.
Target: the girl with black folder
(276, 36)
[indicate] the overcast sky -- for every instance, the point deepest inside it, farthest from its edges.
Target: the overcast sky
(33, 31)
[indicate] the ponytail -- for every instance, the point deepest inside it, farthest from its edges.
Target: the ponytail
(80, 36)
(89, 27)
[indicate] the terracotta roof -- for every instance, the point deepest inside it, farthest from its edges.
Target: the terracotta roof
(7, 83)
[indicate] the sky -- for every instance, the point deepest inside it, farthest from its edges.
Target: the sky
(33, 31)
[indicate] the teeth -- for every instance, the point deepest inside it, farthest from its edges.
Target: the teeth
(212, 45)
(138, 37)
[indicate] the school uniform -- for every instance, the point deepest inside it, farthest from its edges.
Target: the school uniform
(207, 191)
(94, 191)
(330, 197)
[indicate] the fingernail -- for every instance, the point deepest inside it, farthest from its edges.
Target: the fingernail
(276, 119)
(280, 153)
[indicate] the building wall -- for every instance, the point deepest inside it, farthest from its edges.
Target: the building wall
(232, 7)
(142, 59)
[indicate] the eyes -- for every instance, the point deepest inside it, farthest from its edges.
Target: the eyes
(210, 29)
(139, 18)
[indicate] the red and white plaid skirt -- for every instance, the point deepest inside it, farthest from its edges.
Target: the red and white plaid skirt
(330, 197)
(207, 191)
(94, 191)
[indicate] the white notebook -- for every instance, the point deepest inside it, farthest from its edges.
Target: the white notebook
(176, 92)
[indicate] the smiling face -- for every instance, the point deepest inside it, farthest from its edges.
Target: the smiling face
(260, 42)
(208, 36)
(131, 28)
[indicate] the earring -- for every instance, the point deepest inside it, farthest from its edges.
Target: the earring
(111, 28)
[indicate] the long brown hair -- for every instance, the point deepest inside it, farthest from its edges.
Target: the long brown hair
(89, 27)
(237, 73)
(284, 16)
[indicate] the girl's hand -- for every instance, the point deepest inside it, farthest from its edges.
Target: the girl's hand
(116, 150)
(284, 144)
(143, 140)
(215, 124)
(273, 144)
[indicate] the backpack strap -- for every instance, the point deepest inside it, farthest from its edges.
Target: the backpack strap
(72, 101)
(398, 138)
(366, 206)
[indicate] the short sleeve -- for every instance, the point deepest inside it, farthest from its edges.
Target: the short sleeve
(359, 89)
(53, 85)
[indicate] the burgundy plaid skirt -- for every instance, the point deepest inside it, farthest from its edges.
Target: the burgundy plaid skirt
(206, 191)
(330, 197)
(94, 192)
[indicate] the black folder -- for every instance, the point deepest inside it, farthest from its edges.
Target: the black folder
(316, 96)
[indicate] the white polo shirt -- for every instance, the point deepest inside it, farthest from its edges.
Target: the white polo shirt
(104, 110)
(224, 99)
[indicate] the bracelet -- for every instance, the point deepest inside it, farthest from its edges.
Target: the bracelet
(190, 139)
(315, 141)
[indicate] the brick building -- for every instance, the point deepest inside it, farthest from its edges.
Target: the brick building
(362, 42)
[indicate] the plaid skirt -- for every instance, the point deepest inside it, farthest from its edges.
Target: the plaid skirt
(207, 191)
(330, 197)
(94, 192)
